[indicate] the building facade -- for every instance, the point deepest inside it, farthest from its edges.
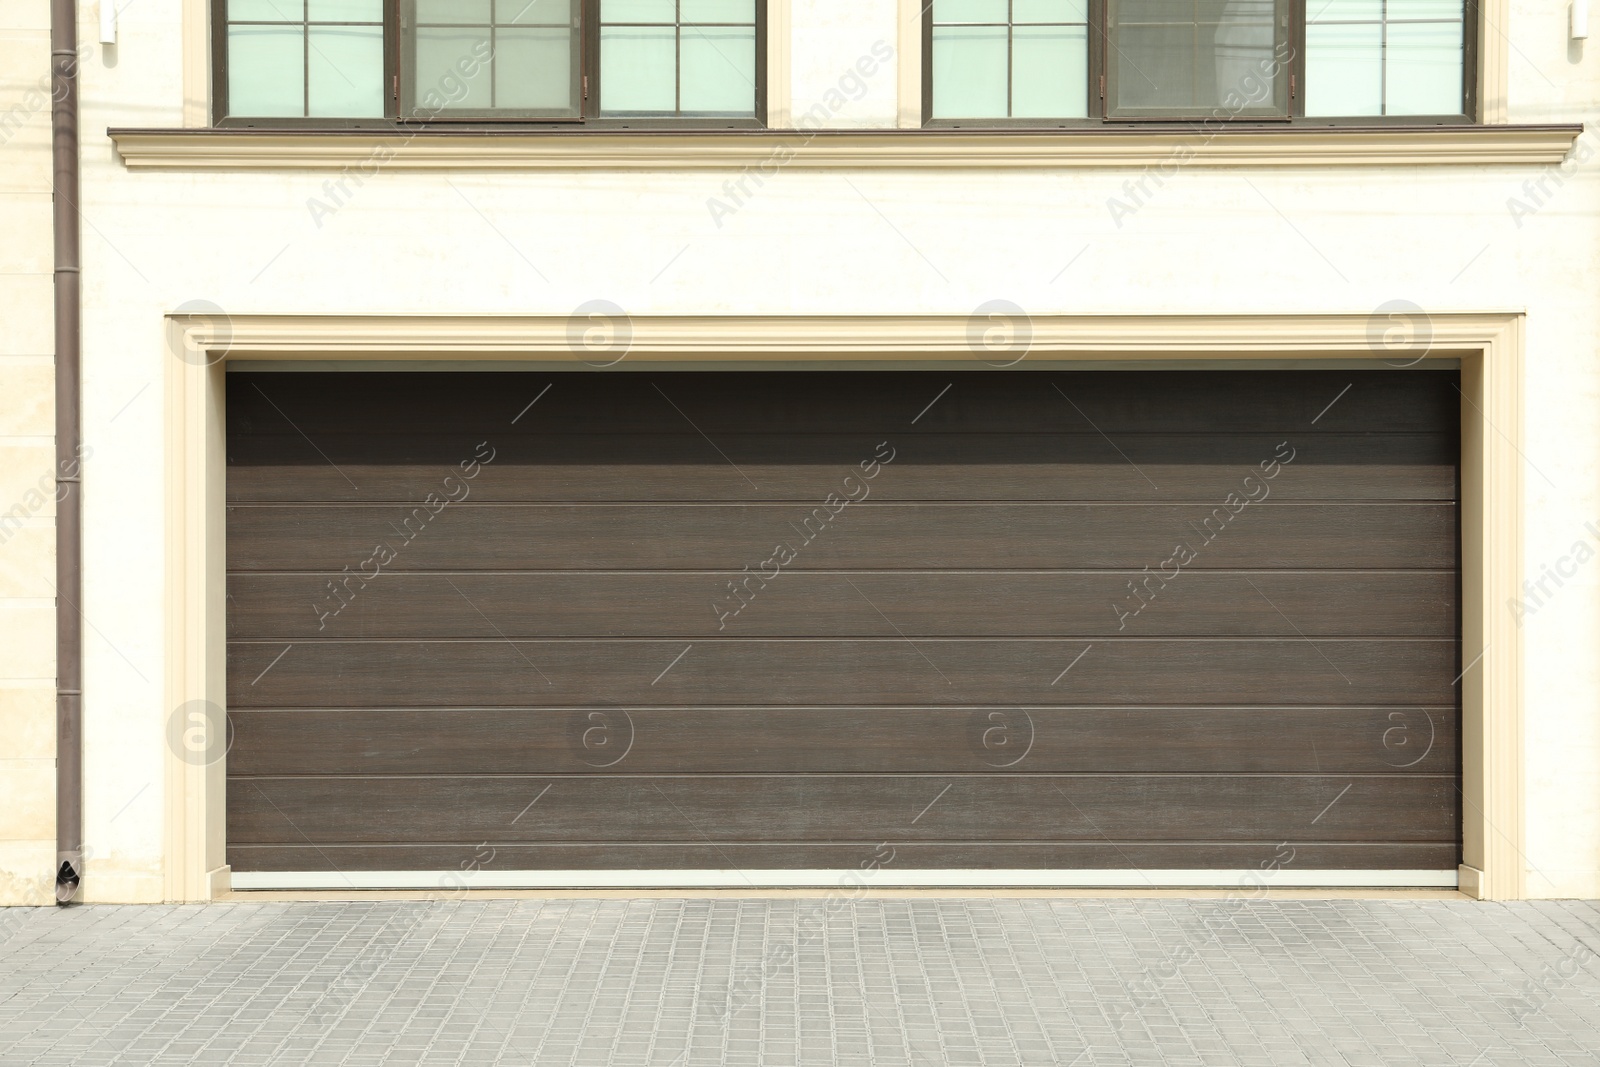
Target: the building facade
(796, 442)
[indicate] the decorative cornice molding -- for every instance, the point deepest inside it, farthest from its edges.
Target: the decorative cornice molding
(370, 150)
(844, 338)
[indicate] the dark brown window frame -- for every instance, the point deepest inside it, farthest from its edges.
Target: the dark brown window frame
(219, 77)
(399, 93)
(1099, 44)
(1011, 27)
(411, 110)
(1279, 110)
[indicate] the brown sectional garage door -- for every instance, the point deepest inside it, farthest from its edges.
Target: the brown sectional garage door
(997, 620)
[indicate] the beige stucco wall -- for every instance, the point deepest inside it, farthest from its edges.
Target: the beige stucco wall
(27, 459)
(880, 241)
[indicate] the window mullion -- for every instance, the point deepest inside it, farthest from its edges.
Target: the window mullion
(1194, 49)
(1011, 57)
(305, 61)
(1383, 57)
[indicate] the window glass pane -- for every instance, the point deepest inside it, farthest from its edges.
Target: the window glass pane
(1050, 75)
(1423, 75)
(1431, 10)
(266, 71)
(533, 68)
(969, 11)
(441, 57)
(1245, 36)
(1343, 11)
(346, 73)
(521, 62)
(638, 69)
(1154, 53)
(969, 72)
(1033, 62)
(1194, 56)
(719, 70)
(1344, 70)
(1394, 57)
(266, 10)
(1050, 11)
(452, 12)
(743, 11)
(346, 11)
(638, 11)
(535, 12)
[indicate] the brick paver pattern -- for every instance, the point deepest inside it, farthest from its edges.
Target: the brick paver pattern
(678, 983)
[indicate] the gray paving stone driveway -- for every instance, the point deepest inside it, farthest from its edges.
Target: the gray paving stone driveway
(804, 981)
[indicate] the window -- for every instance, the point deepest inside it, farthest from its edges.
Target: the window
(1189, 58)
(1060, 62)
(677, 57)
(1010, 58)
(305, 58)
(687, 62)
(1384, 57)
(491, 58)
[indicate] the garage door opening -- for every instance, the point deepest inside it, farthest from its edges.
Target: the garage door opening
(733, 628)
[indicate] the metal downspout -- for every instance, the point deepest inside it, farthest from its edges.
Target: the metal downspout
(69, 490)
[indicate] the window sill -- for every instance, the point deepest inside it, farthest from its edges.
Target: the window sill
(513, 149)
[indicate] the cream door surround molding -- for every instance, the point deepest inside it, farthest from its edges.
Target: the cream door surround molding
(369, 151)
(1489, 347)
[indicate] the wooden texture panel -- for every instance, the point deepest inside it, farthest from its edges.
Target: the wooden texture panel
(1040, 739)
(864, 402)
(812, 604)
(567, 622)
(867, 536)
(495, 856)
(392, 466)
(824, 808)
(886, 670)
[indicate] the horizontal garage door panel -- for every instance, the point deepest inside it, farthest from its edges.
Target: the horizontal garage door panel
(886, 670)
(830, 807)
(857, 740)
(361, 468)
(879, 535)
(811, 604)
(981, 663)
(871, 403)
(451, 859)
